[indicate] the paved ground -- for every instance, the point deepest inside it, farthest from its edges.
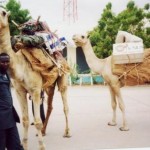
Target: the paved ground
(90, 111)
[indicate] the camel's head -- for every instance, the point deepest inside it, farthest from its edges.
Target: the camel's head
(3, 18)
(80, 40)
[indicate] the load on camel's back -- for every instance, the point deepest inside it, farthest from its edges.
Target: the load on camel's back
(129, 59)
(48, 60)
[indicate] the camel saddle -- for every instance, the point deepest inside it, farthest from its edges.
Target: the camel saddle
(134, 73)
(49, 66)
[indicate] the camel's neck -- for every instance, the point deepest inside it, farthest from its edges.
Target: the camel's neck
(93, 61)
(5, 45)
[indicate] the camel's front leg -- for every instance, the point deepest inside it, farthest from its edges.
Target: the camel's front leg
(115, 92)
(114, 105)
(62, 85)
(21, 95)
(37, 120)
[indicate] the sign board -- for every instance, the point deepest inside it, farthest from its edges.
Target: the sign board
(124, 53)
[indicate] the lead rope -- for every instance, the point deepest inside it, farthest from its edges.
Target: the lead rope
(54, 61)
(136, 64)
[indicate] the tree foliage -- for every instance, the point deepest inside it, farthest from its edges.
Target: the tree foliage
(131, 20)
(17, 14)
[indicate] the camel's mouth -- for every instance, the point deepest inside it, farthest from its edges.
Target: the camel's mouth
(77, 43)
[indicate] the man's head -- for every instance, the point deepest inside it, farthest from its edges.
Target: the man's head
(4, 62)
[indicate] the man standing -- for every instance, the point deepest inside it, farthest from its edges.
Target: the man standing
(10, 139)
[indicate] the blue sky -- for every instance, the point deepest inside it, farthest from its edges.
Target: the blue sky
(89, 12)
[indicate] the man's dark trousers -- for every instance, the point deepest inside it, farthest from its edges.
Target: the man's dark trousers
(11, 141)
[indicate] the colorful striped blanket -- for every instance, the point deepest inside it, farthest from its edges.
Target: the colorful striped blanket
(52, 42)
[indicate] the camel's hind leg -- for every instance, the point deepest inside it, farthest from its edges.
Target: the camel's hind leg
(62, 86)
(122, 108)
(21, 95)
(50, 93)
(37, 120)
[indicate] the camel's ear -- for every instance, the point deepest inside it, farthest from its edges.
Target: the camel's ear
(8, 13)
(88, 36)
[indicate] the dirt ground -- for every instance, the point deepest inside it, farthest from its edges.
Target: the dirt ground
(89, 112)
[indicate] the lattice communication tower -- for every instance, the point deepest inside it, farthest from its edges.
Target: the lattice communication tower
(70, 10)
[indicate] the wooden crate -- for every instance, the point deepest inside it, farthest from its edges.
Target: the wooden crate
(124, 53)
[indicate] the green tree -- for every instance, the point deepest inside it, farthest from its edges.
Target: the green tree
(17, 14)
(131, 20)
(102, 36)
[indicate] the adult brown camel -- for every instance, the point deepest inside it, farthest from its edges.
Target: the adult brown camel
(104, 68)
(26, 80)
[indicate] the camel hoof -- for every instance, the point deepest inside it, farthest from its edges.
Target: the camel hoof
(43, 134)
(24, 147)
(67, 135)
(124, 129)
(32, 123)
(112, 123)
(42, 147)
(25, 144)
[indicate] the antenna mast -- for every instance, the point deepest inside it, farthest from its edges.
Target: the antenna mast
(70, 10)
